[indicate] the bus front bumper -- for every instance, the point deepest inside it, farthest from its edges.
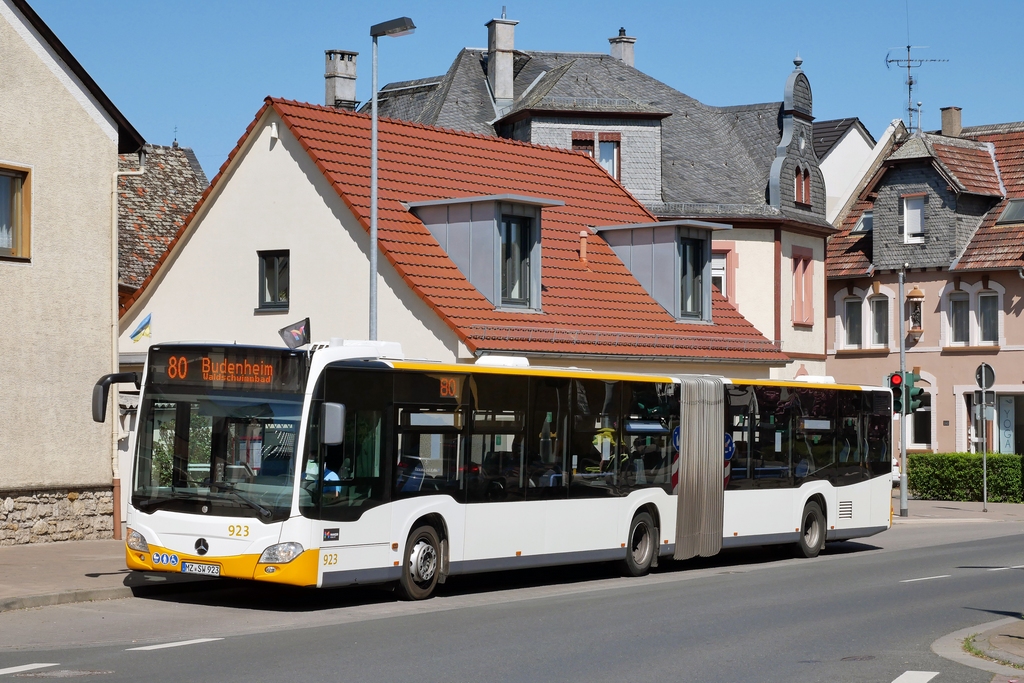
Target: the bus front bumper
(302, 571)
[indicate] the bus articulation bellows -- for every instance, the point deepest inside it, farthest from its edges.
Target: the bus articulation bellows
(349, 464)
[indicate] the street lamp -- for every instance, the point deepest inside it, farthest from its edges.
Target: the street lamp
(396, 27)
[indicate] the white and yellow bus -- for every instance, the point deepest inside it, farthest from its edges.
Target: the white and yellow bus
(351, 465)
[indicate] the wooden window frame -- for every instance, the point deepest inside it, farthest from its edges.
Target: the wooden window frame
(21, 248)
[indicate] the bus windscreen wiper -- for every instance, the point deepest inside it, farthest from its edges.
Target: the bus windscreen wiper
(229, 487)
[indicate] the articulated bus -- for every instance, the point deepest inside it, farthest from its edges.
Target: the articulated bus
(348, 465)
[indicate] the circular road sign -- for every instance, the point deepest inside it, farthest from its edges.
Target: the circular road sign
(985, 376)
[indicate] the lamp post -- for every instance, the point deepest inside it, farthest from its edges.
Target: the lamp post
(395, 28)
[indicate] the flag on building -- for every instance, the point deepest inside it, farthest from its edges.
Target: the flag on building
(143, 330)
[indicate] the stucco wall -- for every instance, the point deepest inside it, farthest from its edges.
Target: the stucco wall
(57, 307)
(949, 371)
(841, 167)
(754, 279)
(275, 198)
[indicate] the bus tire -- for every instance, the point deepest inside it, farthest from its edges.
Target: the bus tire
(640, 546)
(812, 531)
(422, 564)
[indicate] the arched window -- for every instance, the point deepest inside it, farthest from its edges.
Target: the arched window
(807, 187)
(798, 186)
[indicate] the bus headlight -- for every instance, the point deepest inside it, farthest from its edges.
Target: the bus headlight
(137, 541)
(282, 553)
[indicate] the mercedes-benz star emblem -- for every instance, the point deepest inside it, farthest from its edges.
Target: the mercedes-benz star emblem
(202, 547)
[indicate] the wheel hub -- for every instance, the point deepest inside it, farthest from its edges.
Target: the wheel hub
(423, 562)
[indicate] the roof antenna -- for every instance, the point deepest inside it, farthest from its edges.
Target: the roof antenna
(502, 11)
(908, 64)
(175, 143)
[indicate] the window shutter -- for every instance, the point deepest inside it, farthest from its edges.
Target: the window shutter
(809, 291)
(899, 217)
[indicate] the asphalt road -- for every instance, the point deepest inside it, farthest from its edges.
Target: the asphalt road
(863, 611)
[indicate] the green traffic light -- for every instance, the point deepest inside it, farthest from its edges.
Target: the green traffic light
(913, 393)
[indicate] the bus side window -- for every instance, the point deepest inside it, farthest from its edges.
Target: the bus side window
(651, 413)
(497, 429)
(879, 434)
(595, 447)
(814, 434)
(741, 423)
(771, 464)
(548, 438)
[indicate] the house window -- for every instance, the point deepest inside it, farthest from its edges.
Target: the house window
(583, 142)
(719, 273)
(807, 187)
(854, 310)
(959, 318)
(803, 286)
(692, 276)
(14, 235)
(880, 321)
(921, 423)
(866, 222)
(1014, 212)
(988, 318)
(274, 280)
(913, 219)
(609, 157)
(798, 187)
(515, 260)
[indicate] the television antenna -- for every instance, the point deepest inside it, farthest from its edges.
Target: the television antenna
(910, 62)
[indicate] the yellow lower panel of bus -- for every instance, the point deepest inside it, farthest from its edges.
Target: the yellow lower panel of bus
(302, 571)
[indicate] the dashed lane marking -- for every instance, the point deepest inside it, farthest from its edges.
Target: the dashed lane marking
(925, 578)
(916, 676)
(180, 643)
(24, 667)
(999, 569)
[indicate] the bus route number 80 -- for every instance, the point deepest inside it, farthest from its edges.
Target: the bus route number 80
(177, 367)
(449, 387)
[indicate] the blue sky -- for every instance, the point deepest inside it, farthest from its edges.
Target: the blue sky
(205, 66)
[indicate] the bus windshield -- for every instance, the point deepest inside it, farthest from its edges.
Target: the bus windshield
(213, 448)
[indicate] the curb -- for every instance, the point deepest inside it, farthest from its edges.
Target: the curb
(112, 593)
(951, 647)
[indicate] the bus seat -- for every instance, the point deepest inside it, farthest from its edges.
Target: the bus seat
(844, 454)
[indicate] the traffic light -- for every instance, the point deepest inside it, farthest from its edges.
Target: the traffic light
(913, 393)
(896, 384)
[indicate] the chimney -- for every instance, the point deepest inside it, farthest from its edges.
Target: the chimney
(340, 77)
(951, 125)
(500, 43)
(622, 47)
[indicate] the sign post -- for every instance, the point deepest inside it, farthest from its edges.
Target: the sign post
(985, 376)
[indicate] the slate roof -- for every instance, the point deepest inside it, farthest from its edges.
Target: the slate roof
(151, 208)
(983, 160)
(715, 160)
(594, 308)
(827, 133)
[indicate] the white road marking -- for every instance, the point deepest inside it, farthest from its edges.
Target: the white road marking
(999, 569)
(24, 667)
(916, 677)
(926, 578)
(161, 646)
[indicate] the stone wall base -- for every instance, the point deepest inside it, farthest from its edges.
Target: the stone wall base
(53, 515)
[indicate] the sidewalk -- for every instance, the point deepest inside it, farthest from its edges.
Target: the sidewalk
(946, 510)
(43, 574)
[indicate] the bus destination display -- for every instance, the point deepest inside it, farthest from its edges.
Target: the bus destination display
(225, 368)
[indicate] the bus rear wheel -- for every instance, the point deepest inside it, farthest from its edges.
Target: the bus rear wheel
(812, 531)
(640, 546)
(422, 564)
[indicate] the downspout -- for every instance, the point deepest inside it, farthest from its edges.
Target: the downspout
(115, 355)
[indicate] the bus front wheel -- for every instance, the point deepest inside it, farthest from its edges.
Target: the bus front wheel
(640, 545)
(422, 564)
(812, 530)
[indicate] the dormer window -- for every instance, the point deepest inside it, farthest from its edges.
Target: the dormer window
(802, 186)
(494, 240)
(671, 260)
(912, 217)
(604, 147)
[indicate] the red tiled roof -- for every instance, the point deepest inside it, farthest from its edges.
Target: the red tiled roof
(973, 167)
(1000, 246)
(849, 254)
(597, 308)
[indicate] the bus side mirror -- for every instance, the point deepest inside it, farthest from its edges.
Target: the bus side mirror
(332, 424)
(102, 389)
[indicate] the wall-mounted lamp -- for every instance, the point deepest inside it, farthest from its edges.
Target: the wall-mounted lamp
(915, 300)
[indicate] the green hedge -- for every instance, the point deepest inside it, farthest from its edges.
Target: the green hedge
(958, 476)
